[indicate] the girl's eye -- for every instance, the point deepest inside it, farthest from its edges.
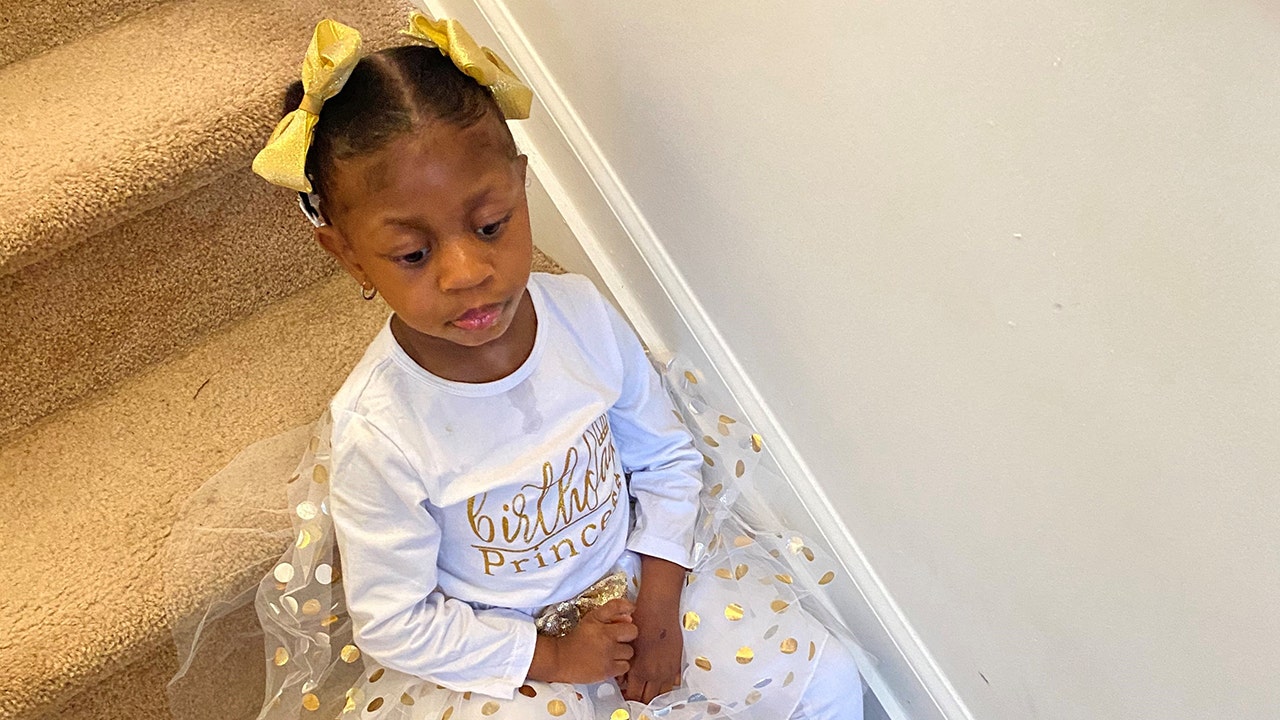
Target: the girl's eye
(414, 257)
(492, 229)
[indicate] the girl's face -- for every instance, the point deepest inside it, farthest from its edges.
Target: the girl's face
(438, 223)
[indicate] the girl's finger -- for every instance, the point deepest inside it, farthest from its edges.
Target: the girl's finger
(624, 632)
(634, 691)
(654, 689)
(614, 611)
(651, 691)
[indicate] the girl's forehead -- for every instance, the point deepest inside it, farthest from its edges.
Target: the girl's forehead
(437, 162)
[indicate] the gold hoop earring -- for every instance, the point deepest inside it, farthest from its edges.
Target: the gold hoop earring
(368, 293)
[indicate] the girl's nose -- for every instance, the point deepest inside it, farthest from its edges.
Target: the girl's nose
(463, 264)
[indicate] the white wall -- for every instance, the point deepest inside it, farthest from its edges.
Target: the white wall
(555, 238)
(1006, 277)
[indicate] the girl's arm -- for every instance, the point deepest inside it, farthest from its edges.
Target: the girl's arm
(665, 479)
(659, 644)
(656, 450)
(389, 545)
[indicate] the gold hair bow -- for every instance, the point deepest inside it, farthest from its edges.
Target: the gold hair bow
(480, 63)
(332, 55)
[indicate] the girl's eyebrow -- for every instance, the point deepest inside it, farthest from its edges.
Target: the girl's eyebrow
(398, 248)
(481, 197)
(484, 196)
(399, 244)
(408, 223)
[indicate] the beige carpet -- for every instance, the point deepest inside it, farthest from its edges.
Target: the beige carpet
(146, 111)
(90, 495)
(128, 224)
(85, 319)
(132, 234)
(29, 27)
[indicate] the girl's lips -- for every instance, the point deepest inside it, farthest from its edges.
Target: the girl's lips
(480, 318)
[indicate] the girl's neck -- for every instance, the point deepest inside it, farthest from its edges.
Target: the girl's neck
(485, 363)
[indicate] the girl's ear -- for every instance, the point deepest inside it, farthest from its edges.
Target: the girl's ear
(337, 245)
(522, 167)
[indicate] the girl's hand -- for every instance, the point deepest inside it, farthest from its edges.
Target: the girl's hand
(659, 644)
(597, 649)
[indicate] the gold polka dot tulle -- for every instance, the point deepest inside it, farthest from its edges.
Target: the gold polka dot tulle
(747, 612)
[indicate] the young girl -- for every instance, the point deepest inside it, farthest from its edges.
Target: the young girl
(515, 501)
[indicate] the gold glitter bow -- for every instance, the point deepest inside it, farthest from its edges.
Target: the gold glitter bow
(332, 55)
(480, 63)
(557, 620)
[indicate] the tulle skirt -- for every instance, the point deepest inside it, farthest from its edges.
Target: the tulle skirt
(754, 612)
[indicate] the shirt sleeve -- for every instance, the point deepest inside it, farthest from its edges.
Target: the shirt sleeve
(657, 451)
(389, 544)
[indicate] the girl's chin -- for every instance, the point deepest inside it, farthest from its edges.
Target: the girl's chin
(472, 338)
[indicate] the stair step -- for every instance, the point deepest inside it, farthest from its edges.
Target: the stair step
(82, 320)
(91, 493)
(100, 130)
(30, 27)
(129, 221)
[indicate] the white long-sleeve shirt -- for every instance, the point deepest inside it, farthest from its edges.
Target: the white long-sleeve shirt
(461, 508)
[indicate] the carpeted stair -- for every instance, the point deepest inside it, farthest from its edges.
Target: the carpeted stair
(162, 308)
(28, 28)
(122, 167)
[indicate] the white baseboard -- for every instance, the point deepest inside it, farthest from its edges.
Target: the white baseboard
(633, 264)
